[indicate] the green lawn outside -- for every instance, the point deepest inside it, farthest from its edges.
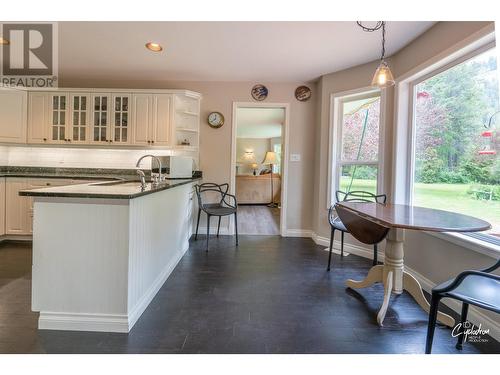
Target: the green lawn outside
(449, 197)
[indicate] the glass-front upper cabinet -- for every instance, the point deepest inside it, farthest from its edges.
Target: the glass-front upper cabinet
(59, 117)
(100, 117)
(79, 117)
(121, 115)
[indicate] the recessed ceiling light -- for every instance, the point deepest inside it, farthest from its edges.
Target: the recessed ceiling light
(155, 47)
(3, 41)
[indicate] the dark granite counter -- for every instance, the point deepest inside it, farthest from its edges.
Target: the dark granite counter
(74, 173)
(106, 189)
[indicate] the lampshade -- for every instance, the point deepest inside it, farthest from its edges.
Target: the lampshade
(383, 76)
(270, 158)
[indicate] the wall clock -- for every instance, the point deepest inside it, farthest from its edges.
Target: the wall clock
(215, 120)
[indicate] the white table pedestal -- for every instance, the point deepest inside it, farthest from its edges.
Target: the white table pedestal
(395, 279)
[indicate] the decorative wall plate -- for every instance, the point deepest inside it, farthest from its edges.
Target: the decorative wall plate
(259, 92)
(215, 119)
(303, 93)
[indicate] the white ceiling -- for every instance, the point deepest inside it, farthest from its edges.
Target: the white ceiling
(222, 51)
(259, 122)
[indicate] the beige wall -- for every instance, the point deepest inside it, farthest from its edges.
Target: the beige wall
(259, 146)
(434, 258)
(215, 144)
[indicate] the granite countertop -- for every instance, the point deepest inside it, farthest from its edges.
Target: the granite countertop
(106, 189)
(72, 173)
(75, 173)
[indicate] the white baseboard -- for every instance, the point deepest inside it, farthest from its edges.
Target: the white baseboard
(83, 322)
(298, 233)
(120, 323)
(16, 237)
(475, 315)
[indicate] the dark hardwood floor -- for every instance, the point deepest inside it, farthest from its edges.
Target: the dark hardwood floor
(269, 295)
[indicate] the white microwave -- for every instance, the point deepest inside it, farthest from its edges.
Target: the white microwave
(174, 166)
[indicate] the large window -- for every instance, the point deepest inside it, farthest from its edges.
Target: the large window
(356, 158)
(456, 165)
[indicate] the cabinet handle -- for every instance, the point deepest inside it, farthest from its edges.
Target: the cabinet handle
(152, 141)
(111, 141)
(45, 139)
(149, 141)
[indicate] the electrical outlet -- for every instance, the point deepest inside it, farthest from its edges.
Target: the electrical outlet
(294, 157)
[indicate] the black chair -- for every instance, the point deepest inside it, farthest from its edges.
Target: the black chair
(221, 206)
(478, 288)
(336, 223)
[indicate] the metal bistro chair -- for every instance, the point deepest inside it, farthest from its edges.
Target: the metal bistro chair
(220, 208)
(336, 223)
(478, 288)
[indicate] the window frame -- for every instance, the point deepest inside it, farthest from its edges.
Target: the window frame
(335, 138)
(410, 143)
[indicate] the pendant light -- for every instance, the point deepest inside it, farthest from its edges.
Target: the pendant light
(383, 76)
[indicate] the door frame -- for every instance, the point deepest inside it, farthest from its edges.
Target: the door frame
(284, 156)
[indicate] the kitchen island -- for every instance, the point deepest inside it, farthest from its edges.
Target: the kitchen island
(101, 251)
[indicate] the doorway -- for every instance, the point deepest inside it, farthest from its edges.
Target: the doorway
(258, 167)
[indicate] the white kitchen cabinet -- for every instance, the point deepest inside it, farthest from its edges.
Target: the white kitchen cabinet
(79, 125)
(13, 115)
(162, 119)
(38, 117)
(100, 131)
(142, 118)
(120, 123)
(152, 119)
(18, 209)
(110, 118)
(165, 118)
(58, 117)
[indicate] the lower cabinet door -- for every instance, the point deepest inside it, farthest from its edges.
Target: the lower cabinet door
(16, 207)
(19, 210)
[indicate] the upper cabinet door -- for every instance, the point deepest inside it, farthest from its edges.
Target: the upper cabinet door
(38, 117)
(162, 122)
(121, 119)
(79, 128)
(143, 118)
(58, 117)
(13, 107)
(100, 129)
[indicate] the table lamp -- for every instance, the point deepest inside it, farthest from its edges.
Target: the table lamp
(254, 167)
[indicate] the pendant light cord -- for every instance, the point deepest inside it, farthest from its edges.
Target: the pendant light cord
(379, 25)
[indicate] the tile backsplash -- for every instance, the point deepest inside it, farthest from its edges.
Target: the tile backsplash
(74, 157)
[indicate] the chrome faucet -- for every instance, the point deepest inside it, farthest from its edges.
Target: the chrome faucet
(142, 176)
(155, 177)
